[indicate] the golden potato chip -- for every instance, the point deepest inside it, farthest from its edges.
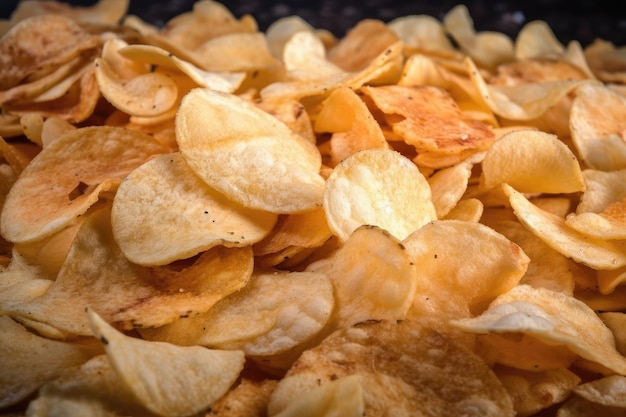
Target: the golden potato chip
(249, 398)
(166, 379)
(554, 231)
(535, 391)
(342, 396)
(486, 48)
(102, 11)
(579, 407)
(385, 280)
(597, 132)
(247, 154)
(461, 267)
(352, 125)
(164, 191)
(448, 185)
(547, 268)
(435, 375)
(469, 210)
(532, 161)
(67, 177)
(417, 113)
(554, 318)
(537, 40)
(422, 33)
(38, 45)
(615, 321)
(281, 30)
(125, 294)
(605, 396)
(53, 128)
(236, 52)
(362, 44)
(377, 187)
(29, 361)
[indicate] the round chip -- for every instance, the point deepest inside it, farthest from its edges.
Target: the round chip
(378, 187)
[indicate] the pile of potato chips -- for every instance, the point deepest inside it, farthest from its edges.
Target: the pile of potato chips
(206, 219)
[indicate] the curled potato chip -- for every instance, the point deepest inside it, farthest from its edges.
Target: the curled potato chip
(385, 281)
(102, 11)
(461, 267)
(536, 39)
(247, 154)
(236, 52)
(554, 231)
(377, 187)
(554, 319)
(165, 192)
(448, 185)
(29, 361)
(532, 161)
(166, 379)
(391, 357)
(597, 133)
(422, 33)
(67, 177)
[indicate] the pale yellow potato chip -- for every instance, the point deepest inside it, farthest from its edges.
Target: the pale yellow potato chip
(537, 40)
(80, 165)
(554, 231)
(91, 389)
(385, 280)
(615, 321)
(403, 368)
(597, 132)
(377, 187)
(461, 267)
(341, 397)
(555, 319)
(163, 212)
(29, 361)
(579, 407)
(281, 30)
(247, 154)
(422, 33)
(250, 398)
(448, 186)
(469, 210)
(486, 48)
(97, 275)
(102, 11)
(236, 52)
(535, 391)
(166, 379)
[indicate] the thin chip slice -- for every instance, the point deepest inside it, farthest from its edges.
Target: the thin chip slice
(163, 212)
(537, 40)
(609, 391)
(422, 33)
(249, 398)
(341, 397)
(385, 280)
(462, 267)
(67, 177)
(377, 187)
(247, 154)
(434, 374)
(29, 361)
(448, 185)
(168, 380)
(102, 11)
(532, 162)
(554, 231)
(553, 318)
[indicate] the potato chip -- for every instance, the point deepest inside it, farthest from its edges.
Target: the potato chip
(605, 396)
(249, 398)
(377, 187)
(280, 31)
(459, 276)
(615, 321)
(236, 52)
(554, 231)
(166, 379)
(90, 389)
(486, 48)
(535, 391)
(468, 210)
(580, 407)
(222, 136)
(164, 191)
(537, 40)
(53, 128)
(385, 281)
(125, 294)
(554, 318)
(102, 11)
(393, 358)
(29, 361)
(352, 125)
(422, 33)
(448, 185)
(532, 161)
(343, 396)
(598, 134)
(40, 44)
(417, 114)
(67, 177)
(362, 44)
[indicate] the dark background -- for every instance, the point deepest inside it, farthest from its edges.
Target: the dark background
(582, 20)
